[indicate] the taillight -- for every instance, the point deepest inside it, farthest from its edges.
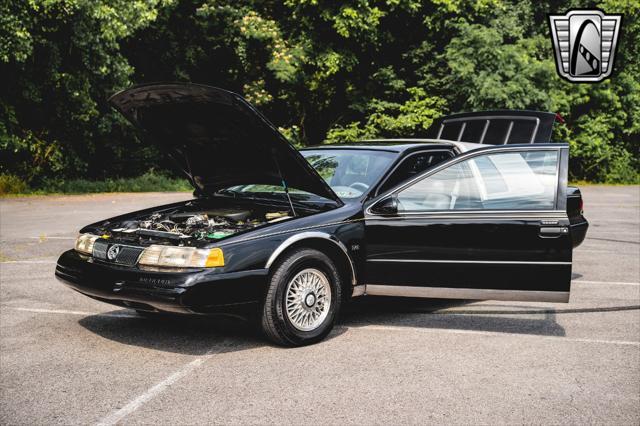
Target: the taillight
(580, 206)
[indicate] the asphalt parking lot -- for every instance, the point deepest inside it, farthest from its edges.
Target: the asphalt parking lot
(66, 359)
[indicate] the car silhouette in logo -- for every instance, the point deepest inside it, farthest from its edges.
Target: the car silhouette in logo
(585, 44)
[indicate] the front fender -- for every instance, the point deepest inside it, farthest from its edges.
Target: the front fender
(344, 239)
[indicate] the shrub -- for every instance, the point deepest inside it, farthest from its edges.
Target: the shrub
(151, 181)
(11, 184)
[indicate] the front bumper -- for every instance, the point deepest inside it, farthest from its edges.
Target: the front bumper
(198, 291)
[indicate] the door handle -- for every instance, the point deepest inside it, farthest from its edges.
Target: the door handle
(553, 231)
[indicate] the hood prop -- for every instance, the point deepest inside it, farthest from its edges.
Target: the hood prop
(284, 182)
(186, 170)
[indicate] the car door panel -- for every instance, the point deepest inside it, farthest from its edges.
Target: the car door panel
(473, 253)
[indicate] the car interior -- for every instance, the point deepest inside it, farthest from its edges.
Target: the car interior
(504, 181)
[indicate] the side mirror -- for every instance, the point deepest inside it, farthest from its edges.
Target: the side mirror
(387, 206)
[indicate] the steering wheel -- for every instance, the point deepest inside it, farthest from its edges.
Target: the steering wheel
(360, 184)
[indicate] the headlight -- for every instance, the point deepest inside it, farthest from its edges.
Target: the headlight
(84, 243)
(181, 257)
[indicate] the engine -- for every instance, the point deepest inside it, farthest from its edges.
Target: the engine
(188, 227)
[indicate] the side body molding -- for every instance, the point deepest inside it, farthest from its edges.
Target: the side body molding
(313, 235)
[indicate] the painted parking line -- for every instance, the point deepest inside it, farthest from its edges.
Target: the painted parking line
(495, 334)
(588, 250)
(134, 404)
(45, 237)
(117, 415)
(605, 282)
(530, 311)
(155, 390)
(376, 327)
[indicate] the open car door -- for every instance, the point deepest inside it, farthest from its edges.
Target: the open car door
(495, 127)
(489, 224)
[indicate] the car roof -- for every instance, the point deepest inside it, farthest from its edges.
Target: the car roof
(400, 145)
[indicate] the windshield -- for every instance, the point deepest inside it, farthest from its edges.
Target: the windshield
(349, 172)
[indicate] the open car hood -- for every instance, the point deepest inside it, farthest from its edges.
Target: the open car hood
(218, 138)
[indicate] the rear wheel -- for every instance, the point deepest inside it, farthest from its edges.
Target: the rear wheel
(303, 299)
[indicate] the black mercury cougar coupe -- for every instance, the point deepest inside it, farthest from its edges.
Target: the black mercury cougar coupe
(480, 211)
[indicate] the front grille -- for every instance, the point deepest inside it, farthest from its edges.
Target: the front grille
(128, 255)
(152, 282)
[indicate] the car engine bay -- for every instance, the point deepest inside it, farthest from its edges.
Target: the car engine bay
(191, 226)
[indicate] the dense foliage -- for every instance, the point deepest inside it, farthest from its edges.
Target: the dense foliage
(322, 70)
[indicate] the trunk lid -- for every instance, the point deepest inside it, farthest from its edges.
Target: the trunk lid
(495, 127)
(218, 139)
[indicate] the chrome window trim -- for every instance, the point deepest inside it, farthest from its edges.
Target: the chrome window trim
(462, 147)
(475, 215)
(310, 235)
(484, 131)
(464, 126)
(464, 157)
(493, 212)
(490, 262)
(506, 137)
(467, 293)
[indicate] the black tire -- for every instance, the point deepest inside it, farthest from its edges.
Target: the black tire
(275, 322)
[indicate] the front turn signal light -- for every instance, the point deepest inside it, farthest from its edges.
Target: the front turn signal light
(215, 258)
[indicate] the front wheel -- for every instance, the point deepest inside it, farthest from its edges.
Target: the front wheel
(303, 299)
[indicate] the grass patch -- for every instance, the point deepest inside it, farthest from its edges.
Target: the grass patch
(148, 182)
(586, 183)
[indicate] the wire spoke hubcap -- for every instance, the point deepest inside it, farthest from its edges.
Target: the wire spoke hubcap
(308, 299)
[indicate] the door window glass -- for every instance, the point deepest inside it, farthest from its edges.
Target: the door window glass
(413, 166)
(502, 181)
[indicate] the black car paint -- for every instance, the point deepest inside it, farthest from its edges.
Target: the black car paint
(209, 131)
(578, 223)
(473, 239)
(404, 250)
(244, 277)
(342, 229)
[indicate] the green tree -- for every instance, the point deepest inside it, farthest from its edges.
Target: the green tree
(60, 60)
(321, 70)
